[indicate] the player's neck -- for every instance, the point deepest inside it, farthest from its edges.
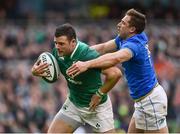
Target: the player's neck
(130, 35)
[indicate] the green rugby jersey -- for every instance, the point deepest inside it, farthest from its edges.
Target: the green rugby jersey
(83, 86)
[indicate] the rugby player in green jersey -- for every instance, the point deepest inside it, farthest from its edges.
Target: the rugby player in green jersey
(87, 101)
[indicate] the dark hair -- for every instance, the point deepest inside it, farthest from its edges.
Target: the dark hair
(66, 30)
(138, 20)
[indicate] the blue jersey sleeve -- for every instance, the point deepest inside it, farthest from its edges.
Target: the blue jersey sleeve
(133, 47)
(118, 42)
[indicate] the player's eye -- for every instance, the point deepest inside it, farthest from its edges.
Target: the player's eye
(123, 23)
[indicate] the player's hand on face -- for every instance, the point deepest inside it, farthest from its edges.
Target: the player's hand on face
(77, 68)
(39, 69)
(95, 100)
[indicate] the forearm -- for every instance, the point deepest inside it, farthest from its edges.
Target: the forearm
(110, 59)
(111, 79)
(105, 47)
(99, 48)
(112, 75)
(104, 61)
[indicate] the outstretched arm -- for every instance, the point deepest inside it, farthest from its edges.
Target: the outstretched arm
(105, 47)
(104, 61)
(112, 75)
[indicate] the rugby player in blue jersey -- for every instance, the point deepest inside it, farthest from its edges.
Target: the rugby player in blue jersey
(130, 48)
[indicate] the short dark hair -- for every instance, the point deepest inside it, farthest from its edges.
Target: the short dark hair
(66, 30)
(138, 20)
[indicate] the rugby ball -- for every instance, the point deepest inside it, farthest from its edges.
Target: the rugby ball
(52, 71)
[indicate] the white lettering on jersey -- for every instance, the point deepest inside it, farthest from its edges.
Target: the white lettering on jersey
(74, 82)
(149, 54)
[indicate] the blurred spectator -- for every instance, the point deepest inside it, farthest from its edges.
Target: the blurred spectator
(176, 103)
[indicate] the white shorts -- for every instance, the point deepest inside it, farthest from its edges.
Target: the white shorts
(150, 112)
(101, 119)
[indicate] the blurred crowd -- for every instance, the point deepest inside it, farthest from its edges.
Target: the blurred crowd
(28, 104)
(86, 9)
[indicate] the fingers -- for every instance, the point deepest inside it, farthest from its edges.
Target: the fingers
(38, 62)
(73, 71)
(77, 68)
(95, 100)
(39, 69)
(92, 107)
(44, 74)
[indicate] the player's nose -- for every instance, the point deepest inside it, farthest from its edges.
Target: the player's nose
(119, 25)
(58, 48)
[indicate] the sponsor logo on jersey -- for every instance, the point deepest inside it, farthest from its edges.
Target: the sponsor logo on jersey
(74, 82)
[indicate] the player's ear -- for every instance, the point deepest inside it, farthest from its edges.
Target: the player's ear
(73, 41)
(132, 29)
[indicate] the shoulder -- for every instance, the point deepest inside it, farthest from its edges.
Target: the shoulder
(87, 53)
(93, 53)
(132, 46)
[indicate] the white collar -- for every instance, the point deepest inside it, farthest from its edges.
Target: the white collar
(75, 49)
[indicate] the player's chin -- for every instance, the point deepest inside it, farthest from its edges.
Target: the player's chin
(60, 54)
(122, 36)
(119, 33)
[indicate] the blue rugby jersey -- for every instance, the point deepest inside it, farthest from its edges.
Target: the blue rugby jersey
(139, 70)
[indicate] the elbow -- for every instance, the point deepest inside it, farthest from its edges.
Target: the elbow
(116, 73)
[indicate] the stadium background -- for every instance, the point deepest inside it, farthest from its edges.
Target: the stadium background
(28, 104)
